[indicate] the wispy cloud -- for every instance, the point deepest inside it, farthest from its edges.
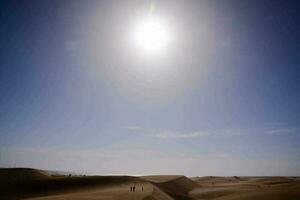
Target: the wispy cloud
(280, 131)
(169, 134)
(166, 134)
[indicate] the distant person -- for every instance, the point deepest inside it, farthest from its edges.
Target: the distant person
(142, 188)
(133, 188)
(130, 188)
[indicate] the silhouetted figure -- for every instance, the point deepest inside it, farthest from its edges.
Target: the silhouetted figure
(142, 188)
(130, 188)
(133, 188)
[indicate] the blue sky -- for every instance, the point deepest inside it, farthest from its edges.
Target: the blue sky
(221, 99)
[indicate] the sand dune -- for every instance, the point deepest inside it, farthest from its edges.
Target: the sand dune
(22, 183)
(119, 191)
(244, 188)
(178, 187)
(21, 174)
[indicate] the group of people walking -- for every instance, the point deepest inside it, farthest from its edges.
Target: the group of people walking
(132, 188)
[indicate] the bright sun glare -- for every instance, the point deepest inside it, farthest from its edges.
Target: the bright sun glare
(151, 34)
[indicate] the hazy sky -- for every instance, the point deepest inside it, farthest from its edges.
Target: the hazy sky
(222, 97)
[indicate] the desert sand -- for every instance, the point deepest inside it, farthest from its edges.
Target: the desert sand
(24, 183)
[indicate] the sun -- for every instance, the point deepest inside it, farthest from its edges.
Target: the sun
(151, 34)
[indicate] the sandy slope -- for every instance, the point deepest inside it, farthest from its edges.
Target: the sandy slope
(246, 188)
(21, 174)
(178, 187)
(144, 190)
(106, 193)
